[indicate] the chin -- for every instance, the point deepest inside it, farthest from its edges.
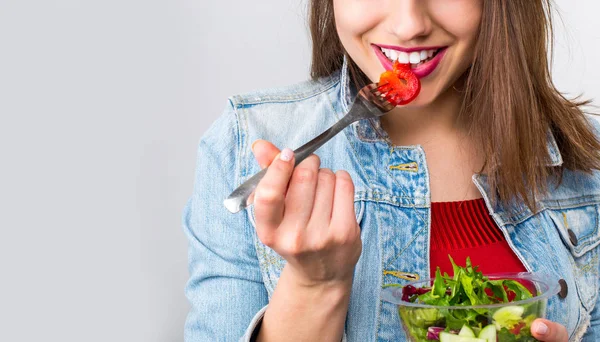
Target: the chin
(422, 100)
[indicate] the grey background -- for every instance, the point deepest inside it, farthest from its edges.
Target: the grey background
(102, 105)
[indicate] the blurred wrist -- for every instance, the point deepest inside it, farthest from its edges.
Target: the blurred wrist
(314, 311)
(331, 286)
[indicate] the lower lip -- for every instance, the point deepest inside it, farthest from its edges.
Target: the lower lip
(421, 71)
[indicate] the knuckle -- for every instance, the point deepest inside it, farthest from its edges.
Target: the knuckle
(320, 245)
(292, 244)
(280, 166)
(326, 175)
(343, 175)
(346, 237)
(316, 159)
(312, 161)
(268, 239)
(266, 196)
(344, 182)
(305, 175)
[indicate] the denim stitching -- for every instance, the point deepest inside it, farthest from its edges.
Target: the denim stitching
(241, 158)
(543, 206)
(344, 84)
(380, 251)
(400, 185)
(245, 101)
(407, 245)
(591, 266)
(588, 238)
(582, 327)
(574, 266)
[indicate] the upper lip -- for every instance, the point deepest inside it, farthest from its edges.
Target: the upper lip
(404, 49)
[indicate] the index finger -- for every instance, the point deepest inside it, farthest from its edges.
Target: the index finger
(264, 152)
(269, 196)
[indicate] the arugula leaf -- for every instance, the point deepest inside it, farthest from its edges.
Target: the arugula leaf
(499, 291)
(454, 288)
(455, 267)
(439, 287)
(467, 283)
(428, 298)
(521, 292)
(469, 266)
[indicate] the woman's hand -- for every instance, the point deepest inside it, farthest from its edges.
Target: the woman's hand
(306, 215)
(545, 330)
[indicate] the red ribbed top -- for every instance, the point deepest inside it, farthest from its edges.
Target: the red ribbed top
(465, 228)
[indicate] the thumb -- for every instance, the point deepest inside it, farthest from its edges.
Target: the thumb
(545, 330)
(264, 152)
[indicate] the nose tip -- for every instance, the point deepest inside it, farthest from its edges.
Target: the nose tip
(410, 20)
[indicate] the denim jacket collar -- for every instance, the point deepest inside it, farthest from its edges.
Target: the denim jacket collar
(370, 130)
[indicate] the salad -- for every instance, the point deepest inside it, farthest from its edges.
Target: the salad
(469, 288)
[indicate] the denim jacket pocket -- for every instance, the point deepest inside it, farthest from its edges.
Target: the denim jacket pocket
(271, 263)
(579, 231)
(578, 228)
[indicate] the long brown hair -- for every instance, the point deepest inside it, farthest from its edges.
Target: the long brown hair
(509, 97)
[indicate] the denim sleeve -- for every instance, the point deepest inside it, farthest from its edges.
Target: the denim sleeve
(256, 322)
(225, 288)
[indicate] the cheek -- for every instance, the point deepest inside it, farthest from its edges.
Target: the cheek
(446, 13)
(354, 18)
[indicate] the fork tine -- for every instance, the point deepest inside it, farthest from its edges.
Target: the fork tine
(383, 88)
(378, 94)
(371, 86)
(384, 100)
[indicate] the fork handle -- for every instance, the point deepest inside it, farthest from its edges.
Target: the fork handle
(238, 199)
(307, 149)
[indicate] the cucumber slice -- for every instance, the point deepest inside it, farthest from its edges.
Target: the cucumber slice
(466, 331)
(488, 333)
(508, 316)
(448, 337)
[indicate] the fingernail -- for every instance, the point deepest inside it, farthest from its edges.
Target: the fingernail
(254, 143)
(540, 328)
(286, 154)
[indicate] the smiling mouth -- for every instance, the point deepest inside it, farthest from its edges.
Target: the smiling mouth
(414, 58)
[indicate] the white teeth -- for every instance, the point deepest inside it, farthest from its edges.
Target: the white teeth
(415, 57)
(403, 57)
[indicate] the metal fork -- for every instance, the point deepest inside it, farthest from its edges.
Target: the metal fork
(369, 103)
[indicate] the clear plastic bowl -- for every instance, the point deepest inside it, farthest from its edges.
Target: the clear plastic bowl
(426, 323)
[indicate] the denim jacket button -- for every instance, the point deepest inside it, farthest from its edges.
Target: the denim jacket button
(564, 289)
(573, 237)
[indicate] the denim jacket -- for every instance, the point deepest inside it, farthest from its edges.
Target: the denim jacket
(233, 275)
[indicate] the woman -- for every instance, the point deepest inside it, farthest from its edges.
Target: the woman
(489, 161)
